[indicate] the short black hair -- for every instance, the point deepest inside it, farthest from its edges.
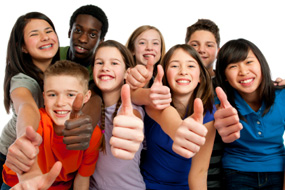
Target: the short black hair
(94, 11)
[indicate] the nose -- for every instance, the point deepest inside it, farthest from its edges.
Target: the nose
(60, 101)
(44, 37)
(183, 70)
(243, 70)
(149, 47)
(201, 49)
(105, 67)
(83, 38)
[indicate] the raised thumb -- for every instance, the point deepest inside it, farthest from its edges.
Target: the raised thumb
(198, 110)
(127, 108)
(76, 106)
(159, 76)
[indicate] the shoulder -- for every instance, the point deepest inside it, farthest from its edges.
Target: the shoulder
(63, 52)
(22, 80)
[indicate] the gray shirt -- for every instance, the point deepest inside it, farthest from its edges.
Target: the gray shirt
(113, 173)
(8, 135)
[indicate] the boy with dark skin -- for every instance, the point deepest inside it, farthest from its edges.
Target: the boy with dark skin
(87, 29)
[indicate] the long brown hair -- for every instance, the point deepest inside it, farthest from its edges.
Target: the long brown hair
(19, 62)
(204, 89)
(129, 61)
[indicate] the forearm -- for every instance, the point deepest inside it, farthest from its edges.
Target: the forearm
(93, 108)
(140, 96)
(81, 183)
(28, 115)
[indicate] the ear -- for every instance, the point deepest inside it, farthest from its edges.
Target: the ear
(87, 96)
(24, 49)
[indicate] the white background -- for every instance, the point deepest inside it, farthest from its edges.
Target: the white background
(260, 21)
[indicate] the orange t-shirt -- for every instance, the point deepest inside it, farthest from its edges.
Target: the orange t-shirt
(53, 149)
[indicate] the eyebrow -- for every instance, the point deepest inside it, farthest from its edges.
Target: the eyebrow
(47, 28)
(93, 29)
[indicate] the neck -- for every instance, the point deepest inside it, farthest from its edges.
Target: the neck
(181, 103)
(253, 100)
(111, 98)
(211, 71)
(42, 65)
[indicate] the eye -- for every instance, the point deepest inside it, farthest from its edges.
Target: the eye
(141, 43)
(194, 44)
(93, 35)
(33, 34)
(115, 63)
(156, 43)
(210, 45)
(173, 66)
(77, 30)
(248, 62)
(98, 63)
(71, 95)
(231, 66)
(51, 95)
(49, 31)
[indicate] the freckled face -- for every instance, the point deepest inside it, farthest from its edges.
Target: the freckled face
(147, 44)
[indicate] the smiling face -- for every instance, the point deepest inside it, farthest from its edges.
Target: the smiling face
(59, 94)
(147, 44)
(183, 74)
(205, 44)
(41, 42)
(109, 71)
(245, 76)
(84, 38)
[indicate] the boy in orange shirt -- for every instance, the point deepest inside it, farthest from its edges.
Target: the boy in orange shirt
(63, 81)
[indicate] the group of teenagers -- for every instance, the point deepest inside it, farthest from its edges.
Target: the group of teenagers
(102, 115)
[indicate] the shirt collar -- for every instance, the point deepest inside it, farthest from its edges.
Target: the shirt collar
(244, 108)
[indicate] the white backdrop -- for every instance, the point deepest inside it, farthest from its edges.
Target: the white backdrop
(260, 21)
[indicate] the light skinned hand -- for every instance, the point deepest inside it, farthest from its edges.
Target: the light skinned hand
(160, 96)
(78, 129)
(140, 75)
(190, 135)
(227, 119)
(41, 182)
(127, 129)
(22, 153)
(279, 82)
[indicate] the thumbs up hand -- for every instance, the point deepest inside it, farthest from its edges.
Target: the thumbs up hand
(227, 119)
(127, 129)
(23, 152)
(160, 96)
(40, 181)
(140, 75)
(78, 129)
(190, 136)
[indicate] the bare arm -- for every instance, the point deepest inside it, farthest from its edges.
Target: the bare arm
(22, 153)
(80, 182)
(200, 162)
(26, 109)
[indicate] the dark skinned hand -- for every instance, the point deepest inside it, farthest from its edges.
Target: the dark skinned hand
(78, 129)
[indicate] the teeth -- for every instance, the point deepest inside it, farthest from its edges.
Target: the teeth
(183, 81)
(81, 48)
(246, 81)
(61, 112)
(105, 78)
(45, 47)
